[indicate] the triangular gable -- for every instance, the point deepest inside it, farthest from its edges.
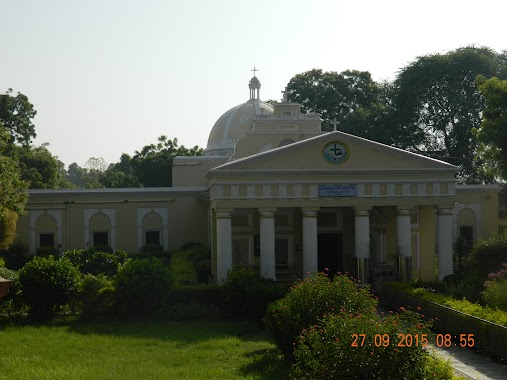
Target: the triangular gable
(336, 151)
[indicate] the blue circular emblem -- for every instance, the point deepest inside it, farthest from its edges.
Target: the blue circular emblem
(336, 152)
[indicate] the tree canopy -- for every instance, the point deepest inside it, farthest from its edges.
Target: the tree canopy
(437, 105)
(40, 169)
(16, 114)
(492, 133)
(13, 194)
(346, 96)
(430, 108)
(149, 167)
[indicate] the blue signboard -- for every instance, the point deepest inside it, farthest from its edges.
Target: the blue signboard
(337, 190)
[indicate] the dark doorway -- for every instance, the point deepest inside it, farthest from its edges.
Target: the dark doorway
(330, 247)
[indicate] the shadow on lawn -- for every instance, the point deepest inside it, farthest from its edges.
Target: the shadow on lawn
(266, 364)
(190, 331)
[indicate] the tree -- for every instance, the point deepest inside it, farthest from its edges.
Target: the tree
(437, 104)
(153, 164)
(16, 114)
(347, 97)
(492, 133)
(13, 194)
(40, 168)
(120, 174)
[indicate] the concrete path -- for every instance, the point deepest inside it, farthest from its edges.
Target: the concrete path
(465, 361)
(470, 364)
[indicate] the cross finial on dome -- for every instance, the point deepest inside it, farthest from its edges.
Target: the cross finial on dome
(255, 86)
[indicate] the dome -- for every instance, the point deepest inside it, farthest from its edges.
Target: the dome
(233, 126)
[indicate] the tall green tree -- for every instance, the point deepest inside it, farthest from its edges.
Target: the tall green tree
(492, 133)
(16, 114)
(13, 195)
(40, 169)
(437, 105)
(120, 174)
(153, 163)
(347, 97)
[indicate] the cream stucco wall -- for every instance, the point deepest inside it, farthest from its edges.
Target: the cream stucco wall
(116, 212)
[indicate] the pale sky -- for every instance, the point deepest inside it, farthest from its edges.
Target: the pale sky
(110, 76)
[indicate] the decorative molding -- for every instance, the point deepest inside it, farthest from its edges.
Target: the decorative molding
(88, 213)
(310, 190)
(163, 213)
(34, 215)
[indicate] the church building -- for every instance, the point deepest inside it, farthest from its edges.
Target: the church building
(275, 193)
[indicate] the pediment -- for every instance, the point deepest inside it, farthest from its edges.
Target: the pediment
(337, 152)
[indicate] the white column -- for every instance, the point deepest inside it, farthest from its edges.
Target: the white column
(444, 241)
(403, 242)
(224, 244)
(267, 236)
(362, 241)
(310, 247)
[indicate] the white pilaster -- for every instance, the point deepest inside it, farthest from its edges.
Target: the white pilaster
(224, 244)
(362, 241)
(310, 247)
(267, 236)
(403, 235)
(362, 234)
(444, 241)
(403, 242)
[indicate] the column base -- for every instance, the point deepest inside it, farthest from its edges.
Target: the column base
(404, 268)
(362, 269)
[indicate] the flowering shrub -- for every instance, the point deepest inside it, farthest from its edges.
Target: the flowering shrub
(309, 300)
(335, 349)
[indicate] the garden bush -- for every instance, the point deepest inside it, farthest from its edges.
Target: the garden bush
(149, 248)
(163, 256)
(495, 294)
(47, 251)
(96, 262)
(309, 300)
(459, 286)
(47, 284)
(142, 286)
(464, 306)
(203, 295)
(244, 293)
(95, 295)
(182, 269)
(487, 256)
(16, 256)
(2, 262)
(200, 257)
(329, 349)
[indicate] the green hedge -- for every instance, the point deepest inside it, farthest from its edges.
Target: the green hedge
(471, 319)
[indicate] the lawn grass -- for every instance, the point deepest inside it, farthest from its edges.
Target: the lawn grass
(198, 349)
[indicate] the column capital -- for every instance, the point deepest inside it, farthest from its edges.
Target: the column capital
(403, 210)
(310, 211)
(267, 212)
(362, 211)
(224, 212)
(445, 210)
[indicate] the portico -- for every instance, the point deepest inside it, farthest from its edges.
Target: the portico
(384, 212)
